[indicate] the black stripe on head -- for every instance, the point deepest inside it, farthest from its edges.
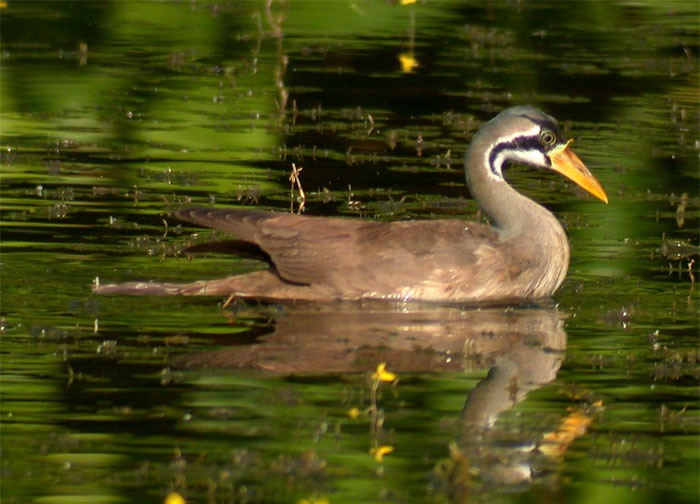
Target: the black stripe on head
(520, 143)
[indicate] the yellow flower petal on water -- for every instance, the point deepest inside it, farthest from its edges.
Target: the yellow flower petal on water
(354, 413)
(381, 374)
(408, 62)
(174, 498)
(574, 426)
(380, 452)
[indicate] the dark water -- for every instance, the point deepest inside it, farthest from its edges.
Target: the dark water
(116, 113)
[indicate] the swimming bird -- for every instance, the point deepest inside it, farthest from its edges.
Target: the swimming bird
(522, 255)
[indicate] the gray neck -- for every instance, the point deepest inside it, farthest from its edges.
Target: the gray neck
(536, 235)
(512, 213)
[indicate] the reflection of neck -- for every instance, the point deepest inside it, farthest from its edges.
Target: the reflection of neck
(507, 383)
(524, 368)
(495, 394)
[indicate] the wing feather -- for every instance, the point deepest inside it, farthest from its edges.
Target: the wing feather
(355, 257)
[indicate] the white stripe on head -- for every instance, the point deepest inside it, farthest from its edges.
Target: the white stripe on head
(528, 156)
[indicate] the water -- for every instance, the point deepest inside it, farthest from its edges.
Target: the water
(115, 114)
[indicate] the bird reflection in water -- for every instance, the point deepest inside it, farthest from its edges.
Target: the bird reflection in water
(523, 347)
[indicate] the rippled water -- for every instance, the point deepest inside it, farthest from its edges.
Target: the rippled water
(115, 114)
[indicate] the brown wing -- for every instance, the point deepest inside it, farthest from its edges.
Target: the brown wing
(303, 249)
(356, 257)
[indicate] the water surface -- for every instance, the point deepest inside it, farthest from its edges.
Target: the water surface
(115, 114)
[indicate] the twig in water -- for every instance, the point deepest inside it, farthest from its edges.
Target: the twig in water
(295, 180)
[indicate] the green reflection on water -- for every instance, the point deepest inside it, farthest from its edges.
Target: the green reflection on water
(169, 103)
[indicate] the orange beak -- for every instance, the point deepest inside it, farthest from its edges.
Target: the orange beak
(567, 163)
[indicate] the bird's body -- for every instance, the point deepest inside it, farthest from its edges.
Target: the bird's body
(524, 255)
(350, 259)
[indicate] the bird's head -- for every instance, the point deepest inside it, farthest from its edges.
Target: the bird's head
(527, 135)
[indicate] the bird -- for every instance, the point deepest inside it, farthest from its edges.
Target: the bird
(520, 256)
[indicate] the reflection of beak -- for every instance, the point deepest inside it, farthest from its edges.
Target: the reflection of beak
(568, 164)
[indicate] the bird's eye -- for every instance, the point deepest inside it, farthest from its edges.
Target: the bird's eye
(547, 138)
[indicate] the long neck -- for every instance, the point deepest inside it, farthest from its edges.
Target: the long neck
(534, 232)
(512, 213)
